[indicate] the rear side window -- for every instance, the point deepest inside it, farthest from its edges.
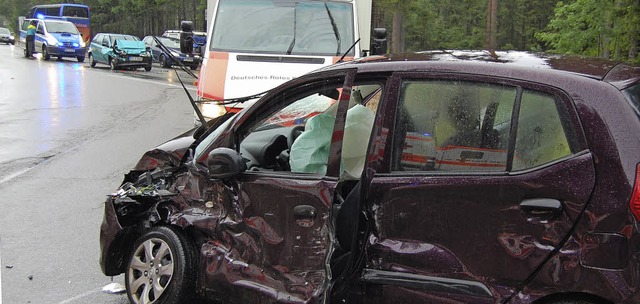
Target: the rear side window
(466, 126)
(633, 96)
(541, 137)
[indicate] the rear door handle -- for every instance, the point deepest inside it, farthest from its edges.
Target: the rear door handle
(541, 210)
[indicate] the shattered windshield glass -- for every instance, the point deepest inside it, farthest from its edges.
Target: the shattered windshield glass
(284, 27)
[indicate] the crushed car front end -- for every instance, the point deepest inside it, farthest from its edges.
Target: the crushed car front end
(134, 206)
(132, 54)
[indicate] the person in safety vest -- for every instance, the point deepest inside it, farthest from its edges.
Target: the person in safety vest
(31, 37)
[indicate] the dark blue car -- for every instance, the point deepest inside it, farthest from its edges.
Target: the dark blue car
(173, 46)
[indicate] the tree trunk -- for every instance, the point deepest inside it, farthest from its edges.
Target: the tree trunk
(492, 25)
(397, 32)
(634, 32)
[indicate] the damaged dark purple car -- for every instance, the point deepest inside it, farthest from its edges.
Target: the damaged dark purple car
(444, 177)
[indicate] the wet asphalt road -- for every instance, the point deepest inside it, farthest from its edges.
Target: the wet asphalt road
(68, 133)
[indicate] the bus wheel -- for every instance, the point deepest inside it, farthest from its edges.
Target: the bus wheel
(80, 58)
(45, 53)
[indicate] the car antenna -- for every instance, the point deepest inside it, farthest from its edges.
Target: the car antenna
(347, 52)
(193, 103)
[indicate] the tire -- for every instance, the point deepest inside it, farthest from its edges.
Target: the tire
(45, 53)
(80, 58)
(195, 66)
(26, 53)
(112, 64)
(163, 62)
(147, 67)
(92, 61)
(173, 279)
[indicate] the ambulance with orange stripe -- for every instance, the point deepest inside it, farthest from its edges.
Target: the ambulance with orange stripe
(255, 45)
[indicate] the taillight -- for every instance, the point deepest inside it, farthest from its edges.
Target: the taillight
(634, 204)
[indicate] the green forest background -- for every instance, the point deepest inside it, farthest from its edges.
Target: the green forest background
(599, 28)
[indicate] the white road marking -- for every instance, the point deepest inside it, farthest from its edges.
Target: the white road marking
(80, 296)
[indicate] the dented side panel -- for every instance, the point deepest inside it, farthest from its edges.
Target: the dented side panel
(433, 229)
(262, 251)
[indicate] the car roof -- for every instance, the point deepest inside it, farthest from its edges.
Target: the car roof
(116, 34)
(517, 64)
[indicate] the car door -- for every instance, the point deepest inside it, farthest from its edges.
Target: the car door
(482, 180)
(40, 38)
(274, 242)
(104, 48)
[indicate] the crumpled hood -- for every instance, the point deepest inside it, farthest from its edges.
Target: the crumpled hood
(131, 47)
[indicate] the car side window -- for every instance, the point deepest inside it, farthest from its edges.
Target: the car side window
(541, 137)
(452, 126)
(465, 126)
(40, 28)
(105, 41)
(297, 138)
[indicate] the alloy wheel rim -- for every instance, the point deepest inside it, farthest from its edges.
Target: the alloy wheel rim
(150, 271)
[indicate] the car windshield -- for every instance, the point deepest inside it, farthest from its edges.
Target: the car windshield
(4, 31)
(170, 42)
(123, 37)
(283, 27)
(202, 147)
(61, 27)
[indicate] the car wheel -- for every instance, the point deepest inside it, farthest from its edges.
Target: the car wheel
(80, 58)
(26, 54)
(45, 53)
(161, 268)
(163, 62)
(148, 67)
(92, 61)
(193, 67)
(579, 300)
(112, 63)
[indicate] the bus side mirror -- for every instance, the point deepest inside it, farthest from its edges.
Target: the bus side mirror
(186, 37)
(379, 44)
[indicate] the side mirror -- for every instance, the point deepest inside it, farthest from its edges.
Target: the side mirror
(225, 163)
(186, 37)
(379, 44)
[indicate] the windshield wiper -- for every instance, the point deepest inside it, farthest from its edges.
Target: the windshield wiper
(335, 28)
(295, 23)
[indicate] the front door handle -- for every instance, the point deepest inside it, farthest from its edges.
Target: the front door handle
(304, 215)
(541, 210)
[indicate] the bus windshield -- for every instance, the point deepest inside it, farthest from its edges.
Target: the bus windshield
(283, 27)
(61, 27)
